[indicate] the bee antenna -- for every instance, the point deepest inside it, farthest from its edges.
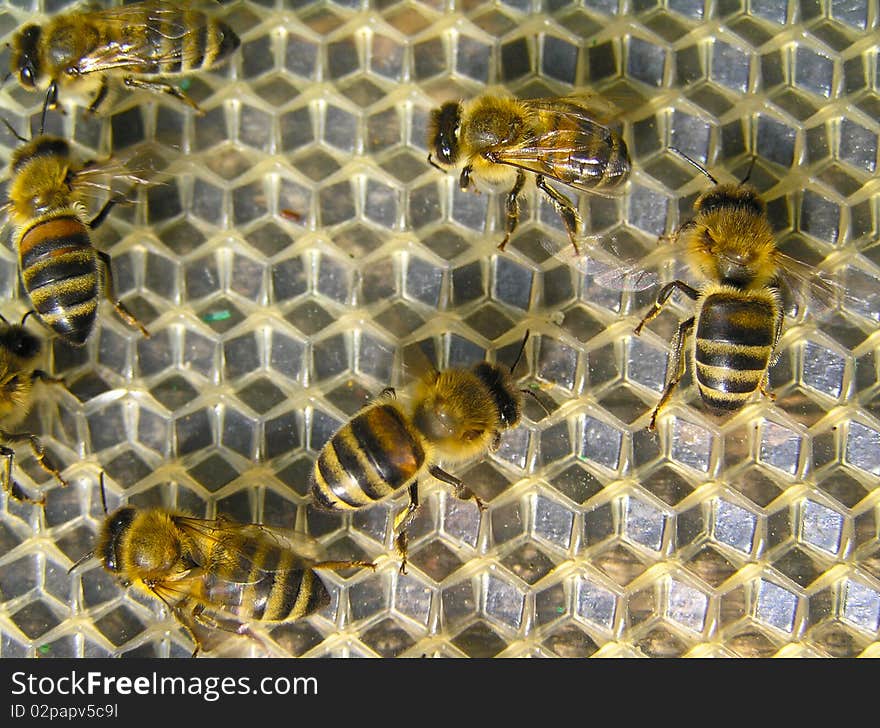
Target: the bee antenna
(25, 317)
(49, 95)
(6, 77)
(103, 493)
(3, 319)
(538, 400)
(434, 164)
(13, 132)
(522, 348)
(693, 163)
(81, 561)
(749, 171)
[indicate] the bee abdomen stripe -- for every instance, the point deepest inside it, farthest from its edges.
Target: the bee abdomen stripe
(196, 45)
(725, 400)
(731, 356)
(64, 294)
(50, 237)
(75, 264)
(337, 488)
(282, 587)
(730, 381)
(725, 319)
(386, 439)
(360, 464)
(83, 312)
(222, 42)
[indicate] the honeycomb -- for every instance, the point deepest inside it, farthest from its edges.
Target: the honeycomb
(756, 534)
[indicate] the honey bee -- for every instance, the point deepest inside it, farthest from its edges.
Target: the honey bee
(20, 352)
(455, 415)
(740, 310)
(214, 574)
(141, 43)
(62, 273)
(497, 140)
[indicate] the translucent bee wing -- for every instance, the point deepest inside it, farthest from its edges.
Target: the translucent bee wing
(142, 47)
(418, 360)
(241, 541)
(96, 181)
(573, 151)
(806, 286)
(602, 267)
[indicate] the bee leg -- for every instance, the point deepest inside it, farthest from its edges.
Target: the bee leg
(45, 377)
(12, 488)
(461, 490)
(766, 392)
(512, 207)
(676, 367)
(38, 450)
(662, 297)
(98, 219)
(162, 87)
(464, 180)
(109, 291)
(389, 392)
(565, 209)
(340, 565)
(100, 96)
(402, 521)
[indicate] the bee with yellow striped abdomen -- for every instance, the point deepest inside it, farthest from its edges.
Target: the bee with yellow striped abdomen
(730, 246)
(215, 574)
(20, 352)
(453, 416)
(498, 140)
(140, 43)
(62, 273)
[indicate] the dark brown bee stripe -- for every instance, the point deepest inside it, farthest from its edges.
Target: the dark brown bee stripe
(386, 439)
(222, 42)
(68, 264)
(729, 381)
(373, 455)
(734, 343)
(196, 44)
(45, 238)
(737, 321)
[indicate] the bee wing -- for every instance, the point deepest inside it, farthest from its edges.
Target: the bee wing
(242, 542)
(419, 360)
(132, 50)
(807, 285)
(605, 269)
(574, 151)
(98, 180)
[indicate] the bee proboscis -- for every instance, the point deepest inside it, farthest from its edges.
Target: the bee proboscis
(214, 574)
(453, 415)
(63, 274)
(730, 245)
(141, 43)
(499, 140)
(20, 351)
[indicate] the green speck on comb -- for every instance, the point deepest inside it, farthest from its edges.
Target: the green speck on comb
(212, 316)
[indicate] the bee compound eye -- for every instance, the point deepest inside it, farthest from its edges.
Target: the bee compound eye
(27, 76)
(71, 71)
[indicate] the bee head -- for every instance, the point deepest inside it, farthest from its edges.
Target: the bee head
(21, 342)
(445, 122)
(741, 197)
(108, 549)
(25, 59)
(508, 398)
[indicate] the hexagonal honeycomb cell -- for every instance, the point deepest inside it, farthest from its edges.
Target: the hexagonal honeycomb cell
(295, 242)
